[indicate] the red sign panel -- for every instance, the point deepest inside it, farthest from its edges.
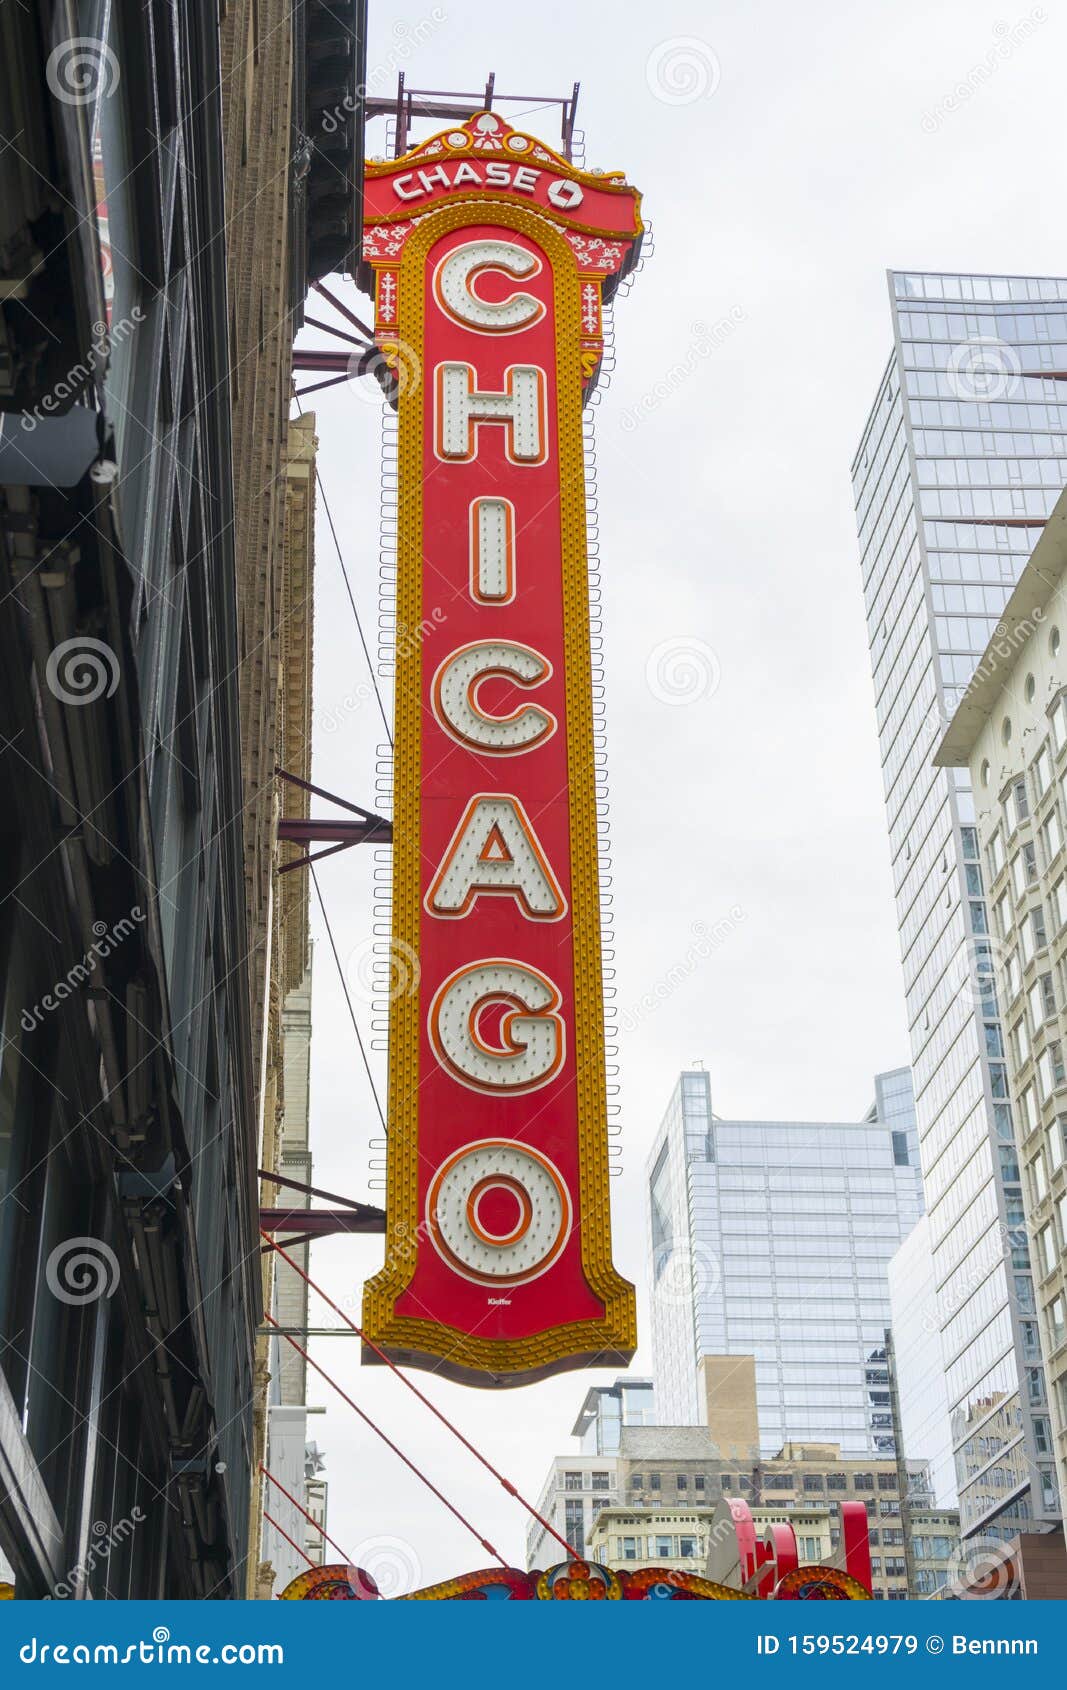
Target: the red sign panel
(491, 257)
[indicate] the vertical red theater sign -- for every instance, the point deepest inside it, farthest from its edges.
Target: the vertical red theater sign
(491, 259)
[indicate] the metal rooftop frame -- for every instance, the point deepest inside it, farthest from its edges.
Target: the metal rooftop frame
(410, 103)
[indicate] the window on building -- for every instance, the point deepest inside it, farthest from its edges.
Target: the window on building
(653, 1481)
(1029, 1102)
(1019, 807)
(814, 1482)
(687, 1548)
(892, 1536)
(1059, 725)
(699, 1481)
(837, 1481)
(681, 1481)
(1042, 771)
(1050, 1068)
(1052, 835)
(810, 1550)
(664, 1548)
(1038, 1178)
(628, 1548)
(779, 1481)
(1029, 856)
(636, 1481)
(895, 1566)
(601, 1481)
(574, 1525)
(863, 1481)
(887, 1481)
(996, 852)
(572, 1481)
(1056, 1317)
(1014, 975)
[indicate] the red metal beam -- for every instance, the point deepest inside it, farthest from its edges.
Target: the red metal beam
(323, 1223)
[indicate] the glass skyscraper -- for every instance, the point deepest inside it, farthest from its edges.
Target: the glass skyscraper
(772, 1239)
(961, 460)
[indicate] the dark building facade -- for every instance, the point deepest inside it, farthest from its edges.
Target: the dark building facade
(128, 1241)
(130, 1279)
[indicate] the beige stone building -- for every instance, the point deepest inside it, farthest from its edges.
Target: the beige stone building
(1010, 731)
(647, 1495)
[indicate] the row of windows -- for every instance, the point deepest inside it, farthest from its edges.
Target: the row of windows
(949, 289)
(661, 1547)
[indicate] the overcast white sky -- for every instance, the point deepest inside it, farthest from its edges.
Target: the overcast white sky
(820, 153)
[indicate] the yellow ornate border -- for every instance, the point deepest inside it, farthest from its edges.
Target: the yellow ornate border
(613, 1339)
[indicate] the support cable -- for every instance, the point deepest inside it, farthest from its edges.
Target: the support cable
(387, 1440)
(348, 1000)
(290, 1541)
(309, 1517)
(380, 1353)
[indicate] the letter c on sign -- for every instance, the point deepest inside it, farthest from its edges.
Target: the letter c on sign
(529, 1043)
(453, 287)
(455, 697)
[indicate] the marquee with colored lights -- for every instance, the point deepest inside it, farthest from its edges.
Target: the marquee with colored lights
(762, 1567)
(491, 258)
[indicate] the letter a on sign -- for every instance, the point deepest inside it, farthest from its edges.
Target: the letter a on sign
(490, 258)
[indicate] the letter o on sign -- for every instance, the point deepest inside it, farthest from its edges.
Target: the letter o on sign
(498, 1212)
